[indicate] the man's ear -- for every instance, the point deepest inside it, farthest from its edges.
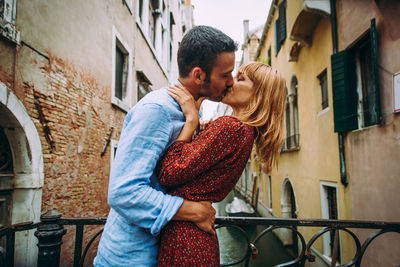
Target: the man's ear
(198, 75)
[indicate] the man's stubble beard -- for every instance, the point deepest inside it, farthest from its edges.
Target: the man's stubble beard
(206, 86)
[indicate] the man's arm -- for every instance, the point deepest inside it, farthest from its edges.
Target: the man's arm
(143, 140)
(201, 213)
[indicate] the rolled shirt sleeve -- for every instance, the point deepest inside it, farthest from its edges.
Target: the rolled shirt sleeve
(134, 192)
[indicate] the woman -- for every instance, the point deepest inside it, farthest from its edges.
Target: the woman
(208, 167)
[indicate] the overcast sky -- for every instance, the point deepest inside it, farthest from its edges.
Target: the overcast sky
(228, 16)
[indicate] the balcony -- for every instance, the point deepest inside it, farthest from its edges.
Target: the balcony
(291, 143)
(302, 22)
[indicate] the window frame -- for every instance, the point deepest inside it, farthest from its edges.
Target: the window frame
(140, 11)
(124, 103)
(129, 5)
(291, 118)
(8, 27)
(269, 184)
(326, 238)
(144, 82)
(323, 80)
(347, 85)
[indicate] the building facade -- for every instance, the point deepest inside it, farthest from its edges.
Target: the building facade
(340, 153)
(368, 44)
(68, 75)
(297, 40)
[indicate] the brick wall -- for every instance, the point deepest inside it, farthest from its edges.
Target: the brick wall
(74, 119)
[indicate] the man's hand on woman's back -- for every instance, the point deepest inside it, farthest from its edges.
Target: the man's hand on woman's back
(201, 213)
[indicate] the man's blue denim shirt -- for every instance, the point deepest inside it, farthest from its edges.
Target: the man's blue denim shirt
(139, 207)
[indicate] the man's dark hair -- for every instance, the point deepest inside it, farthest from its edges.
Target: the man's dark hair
(200, 47)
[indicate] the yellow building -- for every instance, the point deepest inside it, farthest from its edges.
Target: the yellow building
(297, 40)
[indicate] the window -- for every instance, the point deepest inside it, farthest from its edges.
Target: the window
(269, 192)
(152, 22)
(280, 27)
(292, 140)
(329, 210)
(8, 13)
(355, 84)
(121, 73)
(140, 10)
(171, 38)
(324, 89)
(269, 56)
(143, 85)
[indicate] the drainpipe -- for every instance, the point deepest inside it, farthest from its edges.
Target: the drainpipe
(343, 176)
(334, 26)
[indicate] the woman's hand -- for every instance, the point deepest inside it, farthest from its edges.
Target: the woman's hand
(190, 108)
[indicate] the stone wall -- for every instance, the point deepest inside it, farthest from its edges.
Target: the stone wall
(74, 119)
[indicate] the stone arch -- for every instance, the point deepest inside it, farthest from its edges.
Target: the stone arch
(27, 172)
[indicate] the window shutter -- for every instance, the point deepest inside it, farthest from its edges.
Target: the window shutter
(277, 42)
(344, 91)
(375, 72)
(282, 21)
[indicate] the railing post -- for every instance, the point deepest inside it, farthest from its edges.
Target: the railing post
(49, 233)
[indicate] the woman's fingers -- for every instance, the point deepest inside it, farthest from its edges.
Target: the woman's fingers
(180, 90)
(180, 94)
(186, 101)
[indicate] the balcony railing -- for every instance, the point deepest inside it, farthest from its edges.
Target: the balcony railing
(51, 230)
(291, 143)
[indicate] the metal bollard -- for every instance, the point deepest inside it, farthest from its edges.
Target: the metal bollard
(49, 233)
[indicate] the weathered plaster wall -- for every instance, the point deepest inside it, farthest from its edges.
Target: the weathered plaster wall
(317, 160)
(150, 68)
(373, 153)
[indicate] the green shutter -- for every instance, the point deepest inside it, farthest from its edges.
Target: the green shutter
(375, 72)
(344, 91)
(282, 21)
(277, 42)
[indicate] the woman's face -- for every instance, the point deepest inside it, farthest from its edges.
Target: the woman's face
(238, 96)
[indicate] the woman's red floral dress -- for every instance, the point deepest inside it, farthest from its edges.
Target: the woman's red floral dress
(207, 168)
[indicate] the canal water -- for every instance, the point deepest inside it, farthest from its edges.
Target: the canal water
(233, 244)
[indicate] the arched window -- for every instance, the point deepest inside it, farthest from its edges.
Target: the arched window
(292, 140)
(289, 210)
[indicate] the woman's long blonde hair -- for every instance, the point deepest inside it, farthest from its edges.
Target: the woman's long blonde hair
(265, 110)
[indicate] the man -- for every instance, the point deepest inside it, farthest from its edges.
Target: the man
(139, 207)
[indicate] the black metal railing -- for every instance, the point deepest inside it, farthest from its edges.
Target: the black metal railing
(50, 231)
(291, 142)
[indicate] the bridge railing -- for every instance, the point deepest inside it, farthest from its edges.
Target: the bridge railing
(50, 231)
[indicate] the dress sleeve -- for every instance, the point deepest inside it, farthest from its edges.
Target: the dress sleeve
(144, 139)
(184, 161)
